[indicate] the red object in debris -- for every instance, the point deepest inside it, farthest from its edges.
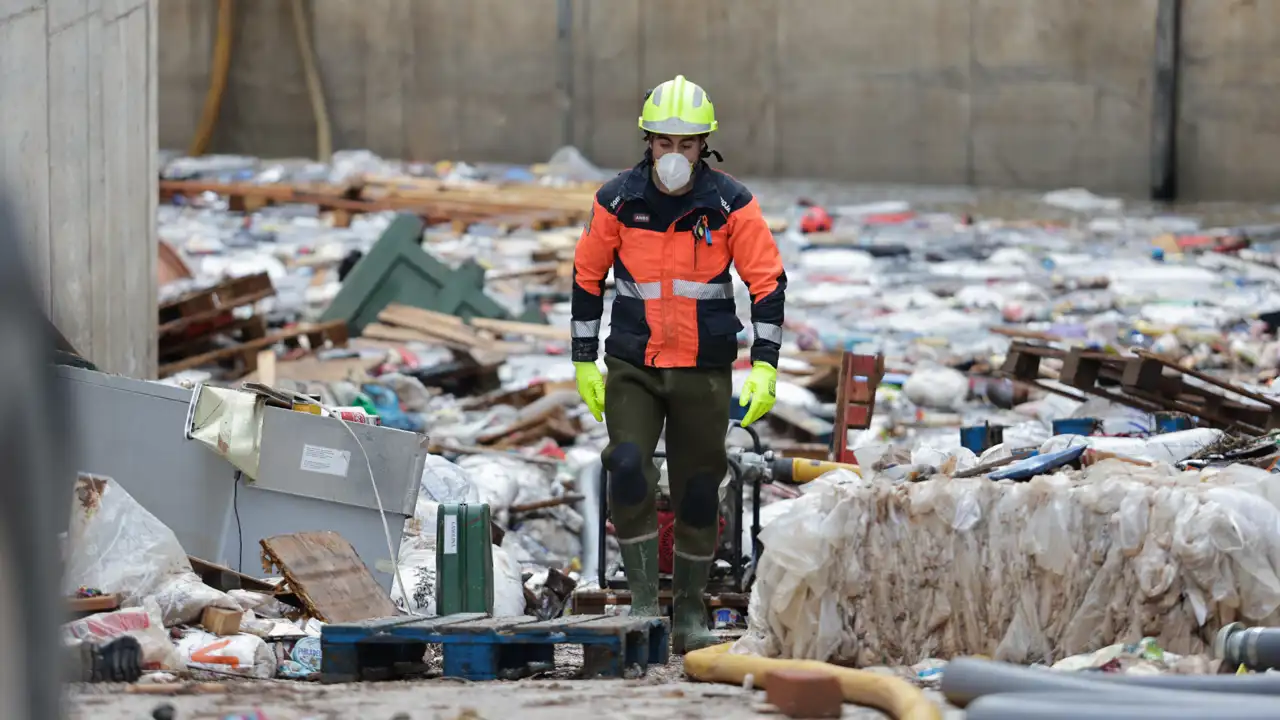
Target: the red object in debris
(667, 539)
(889, 218)
(815, 219)
(804, 693)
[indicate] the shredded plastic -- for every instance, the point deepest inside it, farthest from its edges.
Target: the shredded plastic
(867, 571)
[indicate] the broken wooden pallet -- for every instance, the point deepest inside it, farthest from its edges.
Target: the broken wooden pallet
(318, 336)
(1147, 382)
(175, 348)
(329, 578)
(202, 311)
(477, 647)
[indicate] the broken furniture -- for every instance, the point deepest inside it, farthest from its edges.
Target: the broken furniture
(1145, 381)
(398, 270)
(478, 647)
(326, 574)
(860, 375)
(132, 431)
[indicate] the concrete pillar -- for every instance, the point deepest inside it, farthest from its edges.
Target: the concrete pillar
(78, 159)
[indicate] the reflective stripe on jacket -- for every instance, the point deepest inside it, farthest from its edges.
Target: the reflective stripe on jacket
(673, 304)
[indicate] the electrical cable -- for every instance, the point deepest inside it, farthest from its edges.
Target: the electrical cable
(382, 513)
(235, 508)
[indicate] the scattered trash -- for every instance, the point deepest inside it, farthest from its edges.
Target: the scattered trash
(210, 657)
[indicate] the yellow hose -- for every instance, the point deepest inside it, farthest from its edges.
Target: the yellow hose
(221, 67)
(899, 698)
(315, 90)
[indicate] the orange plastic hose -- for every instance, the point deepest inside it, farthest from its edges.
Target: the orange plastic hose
(899, 698)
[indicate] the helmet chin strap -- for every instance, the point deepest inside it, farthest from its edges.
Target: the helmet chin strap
(705, 153)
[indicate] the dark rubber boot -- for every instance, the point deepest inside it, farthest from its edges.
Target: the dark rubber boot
(689, 630)
(640, 560)
(117, 660)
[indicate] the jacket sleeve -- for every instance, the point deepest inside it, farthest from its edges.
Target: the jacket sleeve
(759, 264)
(592, 259)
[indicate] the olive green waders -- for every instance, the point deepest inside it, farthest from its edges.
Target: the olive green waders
(694, 405)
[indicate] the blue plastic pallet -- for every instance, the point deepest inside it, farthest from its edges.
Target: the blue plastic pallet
(479, 647)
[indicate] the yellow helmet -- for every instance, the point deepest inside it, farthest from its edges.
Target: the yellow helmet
(678, 107)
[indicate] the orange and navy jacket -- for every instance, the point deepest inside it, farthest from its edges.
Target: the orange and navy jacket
(674, 305)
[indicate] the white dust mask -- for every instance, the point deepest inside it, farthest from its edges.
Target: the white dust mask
(674, 170)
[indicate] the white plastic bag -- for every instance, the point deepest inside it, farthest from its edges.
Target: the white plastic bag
(116, 546)
(508, 588)
(243, 655)
(937, 387)
(446, 482)
(143, 623)
(418, 568)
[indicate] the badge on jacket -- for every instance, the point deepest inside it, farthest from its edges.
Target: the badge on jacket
(701, 231)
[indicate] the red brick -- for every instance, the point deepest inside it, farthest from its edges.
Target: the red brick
(804, 693)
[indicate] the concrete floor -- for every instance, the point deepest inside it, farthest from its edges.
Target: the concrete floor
(555, 696)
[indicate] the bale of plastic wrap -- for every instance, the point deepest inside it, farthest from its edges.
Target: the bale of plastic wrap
(867, 572)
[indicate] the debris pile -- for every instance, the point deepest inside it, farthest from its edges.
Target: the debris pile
(1075, 417)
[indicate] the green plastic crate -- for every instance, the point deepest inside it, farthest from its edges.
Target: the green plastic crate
(464, 559)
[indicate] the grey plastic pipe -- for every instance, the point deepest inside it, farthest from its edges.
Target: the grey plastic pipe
(967, 679)
(1167, 705)
(1256, 648)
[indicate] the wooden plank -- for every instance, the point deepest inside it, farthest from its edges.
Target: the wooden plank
(365, 628)
(1243, 392)
(558, 624)
(610, 625)
(430, 323)
(512, 327)
(224, 578)
(88, 605)
(489, 625)
(313, 369)
(379, 331)
(336, 327)
(328, 576)
(431, 625)
(69, 233)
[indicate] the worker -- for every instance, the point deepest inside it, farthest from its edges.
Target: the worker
(670, 228)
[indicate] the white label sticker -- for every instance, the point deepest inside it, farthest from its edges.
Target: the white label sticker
(325, 460)
(450, 535)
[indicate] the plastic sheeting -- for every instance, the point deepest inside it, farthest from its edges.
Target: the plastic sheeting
(116, 546)
(865, 571)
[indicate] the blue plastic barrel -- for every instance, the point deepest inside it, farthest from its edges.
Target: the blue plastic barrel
(974, 438)
(1172, 422)
(1076, 426)
(979, 438)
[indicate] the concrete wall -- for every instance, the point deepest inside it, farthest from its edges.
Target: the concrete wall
(77, 157)
(1043, 93)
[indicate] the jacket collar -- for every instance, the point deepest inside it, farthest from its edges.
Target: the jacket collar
(705, 192)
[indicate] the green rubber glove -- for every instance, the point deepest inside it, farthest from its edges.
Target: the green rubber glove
(591, 387)
(760, 389)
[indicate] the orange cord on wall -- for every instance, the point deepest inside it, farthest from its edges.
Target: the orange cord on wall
(315, 90)
(217, 79)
